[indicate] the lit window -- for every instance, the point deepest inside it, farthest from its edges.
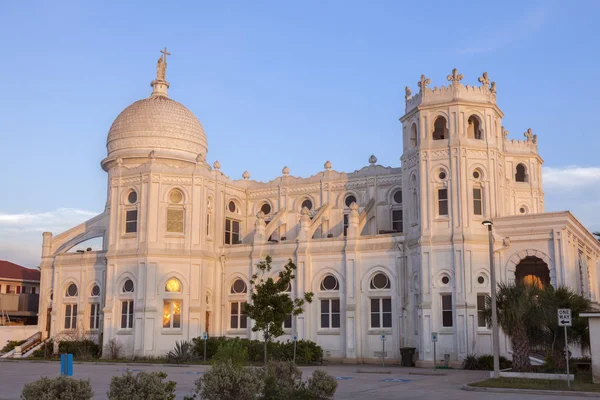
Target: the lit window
(477, 206)
(173, 285)
(175, 196)
(232, 231)
(172, 314)
(94, 315)
(71, 316)
(330, 313)
(447, 310)
(443, 202)
(238, 319)
(175, 220)
(481, 311)
(381, 313)
(127, 314)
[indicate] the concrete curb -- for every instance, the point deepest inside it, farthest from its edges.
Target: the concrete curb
(530, 391)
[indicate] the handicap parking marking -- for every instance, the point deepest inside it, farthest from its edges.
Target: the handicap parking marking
(343, 378)
(400, 380)
(193, 372)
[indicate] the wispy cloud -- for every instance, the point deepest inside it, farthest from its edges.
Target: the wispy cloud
(571, 177)
(511, 31)
(20, 233)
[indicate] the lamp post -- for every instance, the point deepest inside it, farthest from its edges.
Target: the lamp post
(495, 338)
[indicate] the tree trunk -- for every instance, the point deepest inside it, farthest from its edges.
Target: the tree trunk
(520, 343)
(266, 340)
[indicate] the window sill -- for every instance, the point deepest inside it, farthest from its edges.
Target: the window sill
(242, 331)
(125, 331)
(174, 331)
(447, 330)
(328, 331)
(129, 235)
(379, 331)
(442, 218)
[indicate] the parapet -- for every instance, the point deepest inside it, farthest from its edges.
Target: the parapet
(486, 93)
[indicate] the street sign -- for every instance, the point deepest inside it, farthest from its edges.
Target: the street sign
(383, 337)
(295, 338)
(204, 335)
(434, 336)
(564, 317)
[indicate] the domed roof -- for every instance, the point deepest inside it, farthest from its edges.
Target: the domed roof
(156, 123)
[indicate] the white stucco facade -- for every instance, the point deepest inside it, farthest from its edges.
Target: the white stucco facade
(187, 220)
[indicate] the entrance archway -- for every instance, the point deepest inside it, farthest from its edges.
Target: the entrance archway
(533, 271)
(527, 258)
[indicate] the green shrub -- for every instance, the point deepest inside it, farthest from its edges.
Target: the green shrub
(470, 362)
(45, 350)
(232, 350)
(484, 362)
(59, 388)
(228, 381)
(282, 380)
(320, 386)
(182, 353)
(143, 386)
(10, 345)
(81, 349)
(307, 352)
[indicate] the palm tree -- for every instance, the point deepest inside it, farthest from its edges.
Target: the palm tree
(518, 308)
(597, 234)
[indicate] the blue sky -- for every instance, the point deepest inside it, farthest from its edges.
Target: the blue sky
(280, 83)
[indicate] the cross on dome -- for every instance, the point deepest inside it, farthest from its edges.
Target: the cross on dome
(160, 84)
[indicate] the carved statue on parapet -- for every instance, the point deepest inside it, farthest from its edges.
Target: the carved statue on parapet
(493, 87)
(408, 94)
(534, 139)
(529, 135)
(504, 132)
(455, 77)
(423, 83)
(484, 79)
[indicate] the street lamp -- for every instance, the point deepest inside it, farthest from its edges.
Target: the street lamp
(495, 338)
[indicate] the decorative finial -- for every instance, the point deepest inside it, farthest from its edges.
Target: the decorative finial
(504, 131)
(529, 135)
(493, 87)
(372, 160)
(200, 157)
(423, 83)
(455, 78)
(408, 94)
(152, 155)
(217, 165)
(484, 79)
(534, 139)
(160, 84)
(327, 165)
(285, 171)
(246, 175)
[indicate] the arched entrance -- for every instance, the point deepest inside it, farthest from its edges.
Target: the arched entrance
(533, 271)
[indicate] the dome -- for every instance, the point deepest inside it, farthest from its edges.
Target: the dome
(156, 123)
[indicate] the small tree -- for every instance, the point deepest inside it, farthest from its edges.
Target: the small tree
(271, 302)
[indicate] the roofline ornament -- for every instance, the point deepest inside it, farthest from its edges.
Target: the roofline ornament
(423, 83)
(455, 77)
(160, 84)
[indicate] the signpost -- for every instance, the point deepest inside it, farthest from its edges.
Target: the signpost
(434, 340)
(383, 350)
(205, 338)
(295, 338)
(564, 319)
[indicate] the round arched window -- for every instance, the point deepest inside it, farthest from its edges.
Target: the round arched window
(232, 207)
(445, 280)
(132, 197)
(329, 283)
(239, 286)
(349, 200)
(481, 280)
(442, 175)
(128, 286)
(522, 210)
(175, 196)
(307, 203)
(380, 281)
(95, 291)
(173, 285)
(476, 174)
(72, 290)
(398, 197)
(266, 208)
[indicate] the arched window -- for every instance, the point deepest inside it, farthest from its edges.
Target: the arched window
(95, 291)
(127, 304)
(473, 128)
(381, 303)
(95, 308)
(397, 215)
(347, 202)
(239, 287)
(131, 212)
(329, 302)
(440, 132)
(521, 173)
(71, 290)
(232, 224)
(266, 208)
(414, 141)
(128, 286)
(175, 212)
(307, 203)
(173, 285)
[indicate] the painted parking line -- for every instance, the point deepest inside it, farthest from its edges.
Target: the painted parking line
(128, 370)
(343, 378)
(396, 380)
(193, 372)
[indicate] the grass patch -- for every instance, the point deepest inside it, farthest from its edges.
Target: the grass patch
(582, 383)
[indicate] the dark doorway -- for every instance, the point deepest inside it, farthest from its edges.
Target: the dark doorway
(533, 271)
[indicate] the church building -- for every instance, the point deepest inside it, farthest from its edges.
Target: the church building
(400, 251)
